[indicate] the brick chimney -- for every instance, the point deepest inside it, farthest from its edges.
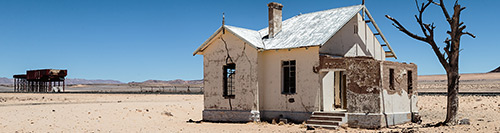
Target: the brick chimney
(274, 18)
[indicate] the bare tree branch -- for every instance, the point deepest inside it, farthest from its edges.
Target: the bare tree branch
(461, 28)
(403, 29)
(445, 12)
(449, 59)
(470, 34)
(419, 18)
(427, 39)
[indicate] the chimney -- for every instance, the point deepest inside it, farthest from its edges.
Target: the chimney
(274, 18)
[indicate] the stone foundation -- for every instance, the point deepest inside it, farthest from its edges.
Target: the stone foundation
(247, 116)
(377, 120)
(228, 115)
(295, 117)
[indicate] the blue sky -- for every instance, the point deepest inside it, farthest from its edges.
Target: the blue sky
(136, 40)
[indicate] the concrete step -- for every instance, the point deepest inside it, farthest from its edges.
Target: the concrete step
(329, 118)
(322, 122)
(342, 114)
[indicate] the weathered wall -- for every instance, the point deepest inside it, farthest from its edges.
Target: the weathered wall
(349, 43)
(398, 99)
(245, 58)
(371, 102)
(270, 80)
(363, 82)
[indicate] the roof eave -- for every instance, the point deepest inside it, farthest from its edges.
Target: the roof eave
(389, 53)
(293, 47)
(207, 41)
(205, 44)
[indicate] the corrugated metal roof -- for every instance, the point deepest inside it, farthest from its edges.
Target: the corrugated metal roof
(248, 35)
(311, 29)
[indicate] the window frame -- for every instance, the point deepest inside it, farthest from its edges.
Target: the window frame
(288, 87)
(410, 82)
(228, 90)
(391, 79)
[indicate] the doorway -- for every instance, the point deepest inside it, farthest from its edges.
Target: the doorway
(334, 90)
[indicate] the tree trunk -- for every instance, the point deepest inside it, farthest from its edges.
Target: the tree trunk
(452, 104)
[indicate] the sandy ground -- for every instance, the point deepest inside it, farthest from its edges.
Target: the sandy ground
(113, 113)
(168, 113)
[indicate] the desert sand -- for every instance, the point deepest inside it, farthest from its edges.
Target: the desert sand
(24, 112)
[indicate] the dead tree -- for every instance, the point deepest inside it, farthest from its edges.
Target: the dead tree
(448, 58)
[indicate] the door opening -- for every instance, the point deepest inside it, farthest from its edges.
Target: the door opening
(334, 90)
(340, 90)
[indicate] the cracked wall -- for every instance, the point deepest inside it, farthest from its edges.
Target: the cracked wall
(372, 103)
(245, 58)
(363, 82)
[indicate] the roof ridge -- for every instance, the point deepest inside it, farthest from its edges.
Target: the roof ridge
(313, 13)
(328, 9)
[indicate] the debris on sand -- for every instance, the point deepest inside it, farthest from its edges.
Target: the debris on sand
(167, 113)
(464, 122)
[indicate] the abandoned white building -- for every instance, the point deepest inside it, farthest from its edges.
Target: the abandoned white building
(326, 68)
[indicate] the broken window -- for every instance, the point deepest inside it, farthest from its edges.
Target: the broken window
(410, 82)
(288, 70)
(229, 79)
(391, 79)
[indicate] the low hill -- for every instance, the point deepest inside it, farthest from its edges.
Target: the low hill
(169, 82)
(470, 82)
(495, 70)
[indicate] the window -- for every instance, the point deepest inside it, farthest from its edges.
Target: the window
(410, 82)
(391, 79)
(356, 29)
(229, 73)
(288, 70)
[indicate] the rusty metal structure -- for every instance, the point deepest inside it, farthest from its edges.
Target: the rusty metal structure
(43, 80)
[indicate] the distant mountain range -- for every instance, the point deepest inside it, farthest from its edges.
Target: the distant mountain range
(169, 82)
(70, 81)
(496, 70)
(177, 81)
(86, 81)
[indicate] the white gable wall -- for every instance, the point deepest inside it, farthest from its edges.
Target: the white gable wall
(346, 43)
(214, 58)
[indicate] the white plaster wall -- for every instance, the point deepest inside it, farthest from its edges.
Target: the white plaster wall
(245, 58)
(307, 82)
(396, 103)
(346, 43)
